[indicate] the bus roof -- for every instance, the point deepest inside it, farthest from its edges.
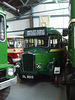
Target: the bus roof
(40, 31)
(52, 31)
(14, 36)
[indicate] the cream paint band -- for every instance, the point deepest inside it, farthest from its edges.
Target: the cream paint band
(16, 50)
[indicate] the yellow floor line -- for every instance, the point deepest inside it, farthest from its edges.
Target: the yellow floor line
(18, 84)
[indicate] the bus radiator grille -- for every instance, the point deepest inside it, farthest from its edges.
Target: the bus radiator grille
(28, 62)
(2, 75)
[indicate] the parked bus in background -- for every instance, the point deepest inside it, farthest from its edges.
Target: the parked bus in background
(43, 53)
(7, 77)
(15, 48)
(70, 63)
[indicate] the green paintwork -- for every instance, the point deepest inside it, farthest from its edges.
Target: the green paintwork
(73, 49)
(42, 55)
(36, 50)
(71, 55)
(72, 2)
(45, 59)
(3, 51)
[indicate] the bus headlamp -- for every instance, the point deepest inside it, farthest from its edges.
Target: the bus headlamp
(38, 65)
(10, 71)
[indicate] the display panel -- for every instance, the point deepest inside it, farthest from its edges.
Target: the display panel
(35, 32)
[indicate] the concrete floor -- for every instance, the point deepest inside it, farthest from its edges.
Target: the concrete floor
(39, 90)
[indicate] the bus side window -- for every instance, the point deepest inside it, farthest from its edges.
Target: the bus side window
(20, 43)
(53, 41)
(30, 42)
(16, 43)
(64, 42)
(43, 42)
(11, 44)
(60, 42)
(26, 43)
(8, 44)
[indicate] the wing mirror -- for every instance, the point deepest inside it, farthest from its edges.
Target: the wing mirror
(65, 32)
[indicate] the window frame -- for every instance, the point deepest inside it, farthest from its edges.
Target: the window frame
(41, 38)
(4, 29)
(59, 44)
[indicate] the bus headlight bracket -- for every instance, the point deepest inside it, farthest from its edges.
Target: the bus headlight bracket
(17, 65)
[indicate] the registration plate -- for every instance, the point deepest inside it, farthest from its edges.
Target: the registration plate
(30, 77)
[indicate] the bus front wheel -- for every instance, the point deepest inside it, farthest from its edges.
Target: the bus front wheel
(4, 93)
(68, 92)
(10, 60)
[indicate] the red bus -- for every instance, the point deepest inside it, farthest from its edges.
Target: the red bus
(15, 48)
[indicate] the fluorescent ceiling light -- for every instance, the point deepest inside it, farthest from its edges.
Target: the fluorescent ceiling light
(8, 5)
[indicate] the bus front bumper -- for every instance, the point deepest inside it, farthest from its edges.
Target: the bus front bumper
(16, 60)
(8, 83)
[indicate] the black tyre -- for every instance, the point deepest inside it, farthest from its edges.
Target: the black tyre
(10, 60)
(4, 93)
(52, 78)
(68, 92)
(67, 85)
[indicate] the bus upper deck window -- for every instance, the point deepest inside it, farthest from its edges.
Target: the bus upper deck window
(18, 43)
(2, 28)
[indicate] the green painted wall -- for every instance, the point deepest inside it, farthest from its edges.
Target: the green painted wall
(72, 2)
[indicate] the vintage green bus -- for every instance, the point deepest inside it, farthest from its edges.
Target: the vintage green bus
(7, 77)
(43, 53)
